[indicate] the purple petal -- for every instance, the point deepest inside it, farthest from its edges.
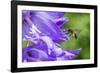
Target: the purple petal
(56, 15)
(46, 24)
(32, 53)
(49, 42)
(70, 54)
(25, 13)
(57, 49)
(61, 21)
(74, 51)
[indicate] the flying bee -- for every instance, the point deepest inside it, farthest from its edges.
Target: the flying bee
(73, 33)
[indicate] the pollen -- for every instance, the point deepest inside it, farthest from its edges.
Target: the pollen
(35, 29)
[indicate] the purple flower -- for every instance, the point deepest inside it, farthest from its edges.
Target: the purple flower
(44, 30)
(38, 52)
(44, 23)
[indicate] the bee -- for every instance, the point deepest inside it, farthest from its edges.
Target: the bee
(73, 33)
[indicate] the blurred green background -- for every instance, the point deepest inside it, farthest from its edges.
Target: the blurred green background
(80, 23)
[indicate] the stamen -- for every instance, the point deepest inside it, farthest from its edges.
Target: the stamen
(35, 29)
